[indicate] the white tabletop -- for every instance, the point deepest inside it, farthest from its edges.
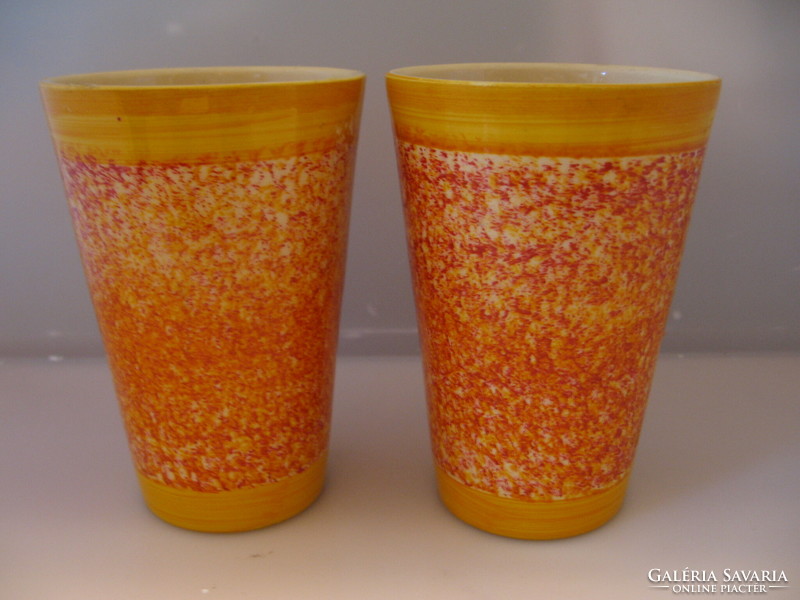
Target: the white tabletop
(716, 486)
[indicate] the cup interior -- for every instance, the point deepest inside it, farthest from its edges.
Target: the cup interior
(551, 73)
(205, 76)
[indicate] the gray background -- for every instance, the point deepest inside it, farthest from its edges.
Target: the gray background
(739, 288)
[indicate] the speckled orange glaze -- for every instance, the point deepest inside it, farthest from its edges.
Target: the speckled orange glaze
(543, 286)
(546, 210)
(212, 223)
(217, 286)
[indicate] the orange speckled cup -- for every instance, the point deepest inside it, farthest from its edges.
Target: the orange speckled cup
(546, 208)
(211, 209)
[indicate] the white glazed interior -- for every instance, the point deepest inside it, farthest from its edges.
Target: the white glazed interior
(205, 76)
(551, 73)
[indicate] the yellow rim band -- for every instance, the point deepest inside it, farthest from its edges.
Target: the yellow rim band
(201, 123)
(235, 510)
(529, 520)
(577, 119)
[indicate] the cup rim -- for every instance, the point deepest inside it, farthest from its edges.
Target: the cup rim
(203, 77)
(548, 74)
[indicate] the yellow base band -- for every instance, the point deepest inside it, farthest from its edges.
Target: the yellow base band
(529, 520)
(235, 510)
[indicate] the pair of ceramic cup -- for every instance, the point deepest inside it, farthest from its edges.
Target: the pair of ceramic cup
(546, 207)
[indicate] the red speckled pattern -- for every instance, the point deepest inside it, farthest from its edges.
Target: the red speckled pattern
(542, 287)
(217, 288)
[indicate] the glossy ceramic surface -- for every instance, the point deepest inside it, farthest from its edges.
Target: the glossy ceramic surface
(546, 209)
(211, 209)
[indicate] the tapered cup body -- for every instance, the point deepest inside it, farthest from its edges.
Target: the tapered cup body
(211, 209)
(546, 208)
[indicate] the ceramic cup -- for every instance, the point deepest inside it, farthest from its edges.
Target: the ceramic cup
(546, 208)
(211, 209)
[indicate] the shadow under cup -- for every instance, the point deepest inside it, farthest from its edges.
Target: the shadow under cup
(211, 208)
(546, 209)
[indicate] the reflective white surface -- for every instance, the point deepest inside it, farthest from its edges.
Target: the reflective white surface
(715, 486)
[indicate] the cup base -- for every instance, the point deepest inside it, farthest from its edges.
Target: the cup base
(235, 510)
(528, 520)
